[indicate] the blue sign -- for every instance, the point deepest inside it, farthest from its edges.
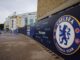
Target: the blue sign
(67, 35)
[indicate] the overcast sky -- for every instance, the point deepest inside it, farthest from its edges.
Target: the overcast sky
(7, 7)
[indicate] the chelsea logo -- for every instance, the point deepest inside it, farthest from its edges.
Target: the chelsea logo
(66, 35)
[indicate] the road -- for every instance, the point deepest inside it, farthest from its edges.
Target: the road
(21, 47)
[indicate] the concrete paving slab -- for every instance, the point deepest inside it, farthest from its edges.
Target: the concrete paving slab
(21, 47)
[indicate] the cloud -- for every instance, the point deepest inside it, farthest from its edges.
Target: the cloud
(3, 14)
(7, 7)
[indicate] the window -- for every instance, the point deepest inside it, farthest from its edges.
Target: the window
(12, 23)
(31, 21)
(26, 21)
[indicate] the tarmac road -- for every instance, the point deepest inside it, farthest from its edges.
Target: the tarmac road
(21, 47)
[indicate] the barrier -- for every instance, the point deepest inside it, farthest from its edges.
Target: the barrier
(65, 26)
(23, 30)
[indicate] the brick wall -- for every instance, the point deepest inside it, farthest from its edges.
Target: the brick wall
(47, 7)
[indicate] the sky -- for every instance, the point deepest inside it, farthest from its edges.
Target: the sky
(8, 7)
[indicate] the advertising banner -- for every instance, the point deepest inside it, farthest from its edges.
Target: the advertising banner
(61, 32)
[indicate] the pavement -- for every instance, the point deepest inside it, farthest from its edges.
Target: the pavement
(21, 47)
